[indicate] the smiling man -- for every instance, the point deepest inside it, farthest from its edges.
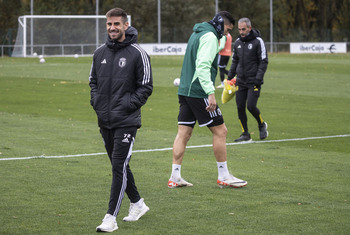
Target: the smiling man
(121, 82)
(116, 28)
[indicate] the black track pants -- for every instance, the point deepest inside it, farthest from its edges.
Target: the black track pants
(119, 143)
(222, 62)
(247, 96)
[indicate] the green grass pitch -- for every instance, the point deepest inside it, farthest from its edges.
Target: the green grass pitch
(299, 186)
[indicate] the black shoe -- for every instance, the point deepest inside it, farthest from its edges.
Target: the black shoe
(244, 137)
(263, 131)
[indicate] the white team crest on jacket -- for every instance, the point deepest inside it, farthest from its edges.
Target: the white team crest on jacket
(250, 46)
(122, 62)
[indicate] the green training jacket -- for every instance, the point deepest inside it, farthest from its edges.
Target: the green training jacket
(199, 67)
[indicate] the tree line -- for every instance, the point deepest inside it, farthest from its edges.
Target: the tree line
(293, 21)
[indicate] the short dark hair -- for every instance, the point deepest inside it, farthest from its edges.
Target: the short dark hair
(117, 12)
(228, 18)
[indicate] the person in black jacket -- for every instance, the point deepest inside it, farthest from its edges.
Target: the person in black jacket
(249, 63)
(121, 82)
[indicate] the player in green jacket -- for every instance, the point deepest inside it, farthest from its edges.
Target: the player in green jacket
(197, 98)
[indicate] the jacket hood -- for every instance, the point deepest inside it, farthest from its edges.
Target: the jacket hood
(130, 37)
(254, 33)
(218, 23)
(205, 26)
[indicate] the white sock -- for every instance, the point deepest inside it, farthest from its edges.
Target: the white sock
(223, 172)
(176, 171)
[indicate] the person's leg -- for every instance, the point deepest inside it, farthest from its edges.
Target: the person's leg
(109, 223)
(220, 152)
(183, 136)
(123, 143)
(219, 148)
(215, 122)
(108, 140)
(186, 122)
(252, 100)
(222, 63)
(241, 101)
(123, 179)
(225, 62)
(221, 67)
(222, 74)
(131, 189)
(219, 142)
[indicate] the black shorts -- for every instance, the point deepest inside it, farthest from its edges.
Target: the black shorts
(194, 109)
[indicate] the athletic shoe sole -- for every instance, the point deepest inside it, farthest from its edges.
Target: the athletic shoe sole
(101, 230)
(143, 212)
(237, 141)
(237, 185)
(172, 184)
(105, 231)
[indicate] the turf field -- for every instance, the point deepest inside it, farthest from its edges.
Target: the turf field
(298, 183)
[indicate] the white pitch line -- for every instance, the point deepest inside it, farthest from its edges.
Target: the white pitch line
(189, 147)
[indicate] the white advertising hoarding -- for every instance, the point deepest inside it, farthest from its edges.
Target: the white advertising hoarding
(164, 48)
(318, 47)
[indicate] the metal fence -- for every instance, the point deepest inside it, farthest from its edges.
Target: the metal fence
(54, 49)
(88, 49)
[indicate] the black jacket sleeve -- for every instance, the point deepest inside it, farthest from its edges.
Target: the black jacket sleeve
(263, 61)
(93, 82)
(144, 82)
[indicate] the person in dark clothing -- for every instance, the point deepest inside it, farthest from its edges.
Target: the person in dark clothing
(249, 63)
(224, 57)
(121, 82)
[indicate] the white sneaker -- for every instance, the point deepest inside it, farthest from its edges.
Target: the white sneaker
(136, 210)
(232, 182)
(109, 224)
(175, 183)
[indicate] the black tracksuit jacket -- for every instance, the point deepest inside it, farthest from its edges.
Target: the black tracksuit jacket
(249, 59)
(120, 81)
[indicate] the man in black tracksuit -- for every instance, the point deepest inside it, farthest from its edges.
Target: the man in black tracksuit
(249, 63)
(121, 82)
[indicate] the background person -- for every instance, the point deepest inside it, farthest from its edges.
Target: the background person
(197, 98)
(249, 63)
(224, 56)
(121, 82)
